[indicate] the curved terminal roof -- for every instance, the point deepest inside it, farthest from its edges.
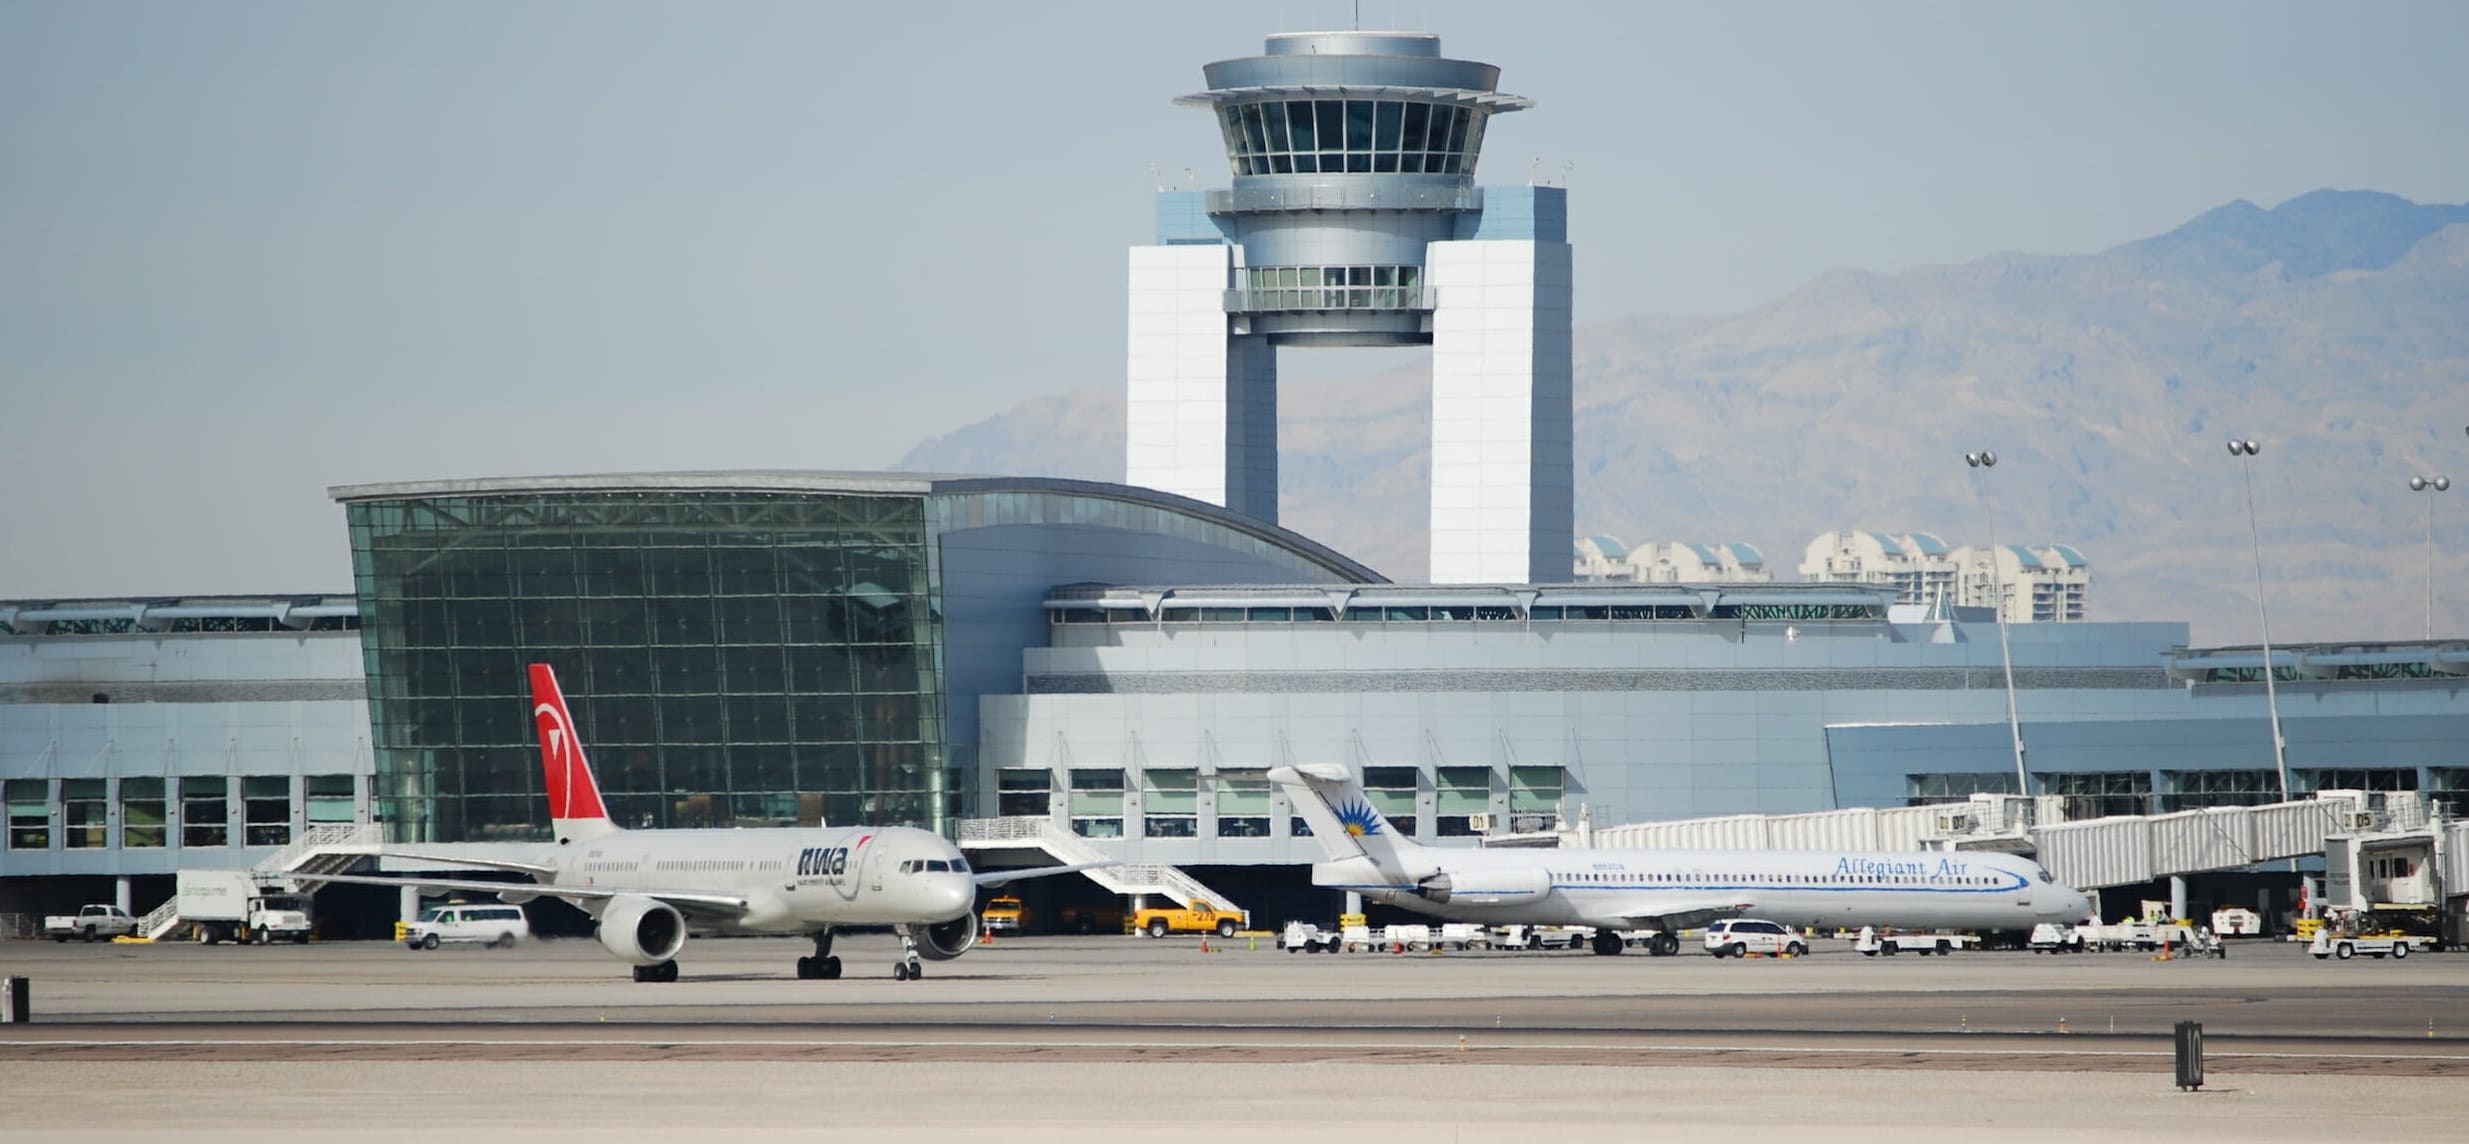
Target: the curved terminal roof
(860, 483)
(1503, 601)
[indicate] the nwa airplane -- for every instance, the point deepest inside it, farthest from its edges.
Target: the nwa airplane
(1666, 890)
(651, 888)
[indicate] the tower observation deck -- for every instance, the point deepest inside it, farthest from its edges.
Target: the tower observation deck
(1354, 219)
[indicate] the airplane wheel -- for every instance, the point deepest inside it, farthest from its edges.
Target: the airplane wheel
(831, 969)
(900, 971)
(1667, 945)
(806, 970)
(917, 971)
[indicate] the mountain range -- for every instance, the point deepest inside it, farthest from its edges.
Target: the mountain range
(2333, 329)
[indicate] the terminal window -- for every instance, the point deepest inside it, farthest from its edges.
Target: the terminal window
(2101, 794)
(2354, 778)
(205, 817)
(1352, 136)
(85, 814)
(266, 800)
(141, 813)
(1928, 790)
(29, 804)
(2196, 790)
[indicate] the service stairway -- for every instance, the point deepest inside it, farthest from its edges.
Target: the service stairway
(333, 848)
(1136, 879)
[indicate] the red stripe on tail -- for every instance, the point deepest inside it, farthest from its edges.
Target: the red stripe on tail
(573, 793)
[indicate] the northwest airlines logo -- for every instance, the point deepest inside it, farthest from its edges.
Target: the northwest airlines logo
(570, 779)
(1359, 819)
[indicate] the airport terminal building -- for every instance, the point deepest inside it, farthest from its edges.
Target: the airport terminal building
(1113, 667)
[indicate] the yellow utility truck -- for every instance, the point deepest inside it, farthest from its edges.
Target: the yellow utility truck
(1197, 917)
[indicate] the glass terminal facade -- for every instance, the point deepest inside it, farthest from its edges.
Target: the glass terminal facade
(733, 658)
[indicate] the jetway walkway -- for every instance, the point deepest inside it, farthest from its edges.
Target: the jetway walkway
(2087, 854)
(1037, 832)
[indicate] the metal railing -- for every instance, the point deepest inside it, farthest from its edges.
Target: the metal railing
(160, 920)
(1071, 849)
(1283, 299)
(1352, 195)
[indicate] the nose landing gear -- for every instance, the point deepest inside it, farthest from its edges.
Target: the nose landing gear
(908, 968)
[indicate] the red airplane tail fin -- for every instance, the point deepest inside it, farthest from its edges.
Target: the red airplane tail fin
(575, 809)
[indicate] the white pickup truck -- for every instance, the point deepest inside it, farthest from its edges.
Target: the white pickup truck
(2386, 945)
(92, 923)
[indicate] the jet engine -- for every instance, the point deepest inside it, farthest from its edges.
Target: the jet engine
(943, 941)
(1501, 887)
(641, 931)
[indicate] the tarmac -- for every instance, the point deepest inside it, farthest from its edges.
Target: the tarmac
(1116, 1037)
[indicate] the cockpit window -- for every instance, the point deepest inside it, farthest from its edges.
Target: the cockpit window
(960, 865)
(2043, 871)
(937, 864)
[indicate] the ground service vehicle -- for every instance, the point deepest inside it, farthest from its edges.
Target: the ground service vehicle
(1197, 917)
(1872, 943)
(1304, 937)
(1003, 915)
(1739, 937)
(2237, 921)
(493, 925)
(230, 905)
(2055, 937)
(2377, 946)
(91, 923)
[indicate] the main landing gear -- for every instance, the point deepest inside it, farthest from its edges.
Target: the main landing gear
(908, 968)
(822, 966)
(1607, 942)
(665, 971)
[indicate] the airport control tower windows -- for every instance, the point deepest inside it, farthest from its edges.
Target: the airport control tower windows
(1274, 288)
(1352, 137)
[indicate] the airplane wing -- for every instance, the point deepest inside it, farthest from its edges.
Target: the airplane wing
(535, 869)
(1668, 913)
(999, 877)
(701, 905)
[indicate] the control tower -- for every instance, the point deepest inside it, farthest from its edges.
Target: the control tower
(1354, 220)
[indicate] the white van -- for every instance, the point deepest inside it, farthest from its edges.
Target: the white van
(496, 926)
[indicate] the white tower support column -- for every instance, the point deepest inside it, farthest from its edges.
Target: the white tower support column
(1503, 505)
(1200, 404)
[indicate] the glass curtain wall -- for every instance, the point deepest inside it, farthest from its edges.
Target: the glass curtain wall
(1352, 137)
(732, 658)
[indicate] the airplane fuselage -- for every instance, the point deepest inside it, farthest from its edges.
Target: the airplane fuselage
(1953, 889)
(794, 880)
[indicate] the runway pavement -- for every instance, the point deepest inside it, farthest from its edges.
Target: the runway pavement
(1122, 1022)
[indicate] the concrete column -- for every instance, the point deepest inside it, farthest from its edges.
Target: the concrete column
(1200, 402)
(120, 893)
(1354, 902)
(409, 907)
(2177, 896)
(1503, 500)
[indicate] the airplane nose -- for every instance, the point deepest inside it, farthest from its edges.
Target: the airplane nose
(955, 898)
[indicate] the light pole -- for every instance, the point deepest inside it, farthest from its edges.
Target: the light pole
(1980, 463)
(2244, 451)
(2434, 484)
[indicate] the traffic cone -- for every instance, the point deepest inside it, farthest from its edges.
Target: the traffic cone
(1204, 943)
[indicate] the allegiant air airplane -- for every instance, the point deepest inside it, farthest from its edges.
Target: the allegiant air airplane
(651, 888)
(1665, 890)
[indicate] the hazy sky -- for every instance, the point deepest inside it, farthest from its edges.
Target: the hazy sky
(248, 251)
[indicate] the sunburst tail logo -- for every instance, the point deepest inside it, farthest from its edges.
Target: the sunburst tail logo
(1359, 819)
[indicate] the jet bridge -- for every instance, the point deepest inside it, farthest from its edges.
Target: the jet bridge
(2087, 854)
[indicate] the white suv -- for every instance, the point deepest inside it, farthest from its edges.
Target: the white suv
(497, 927)
(1747, 935)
